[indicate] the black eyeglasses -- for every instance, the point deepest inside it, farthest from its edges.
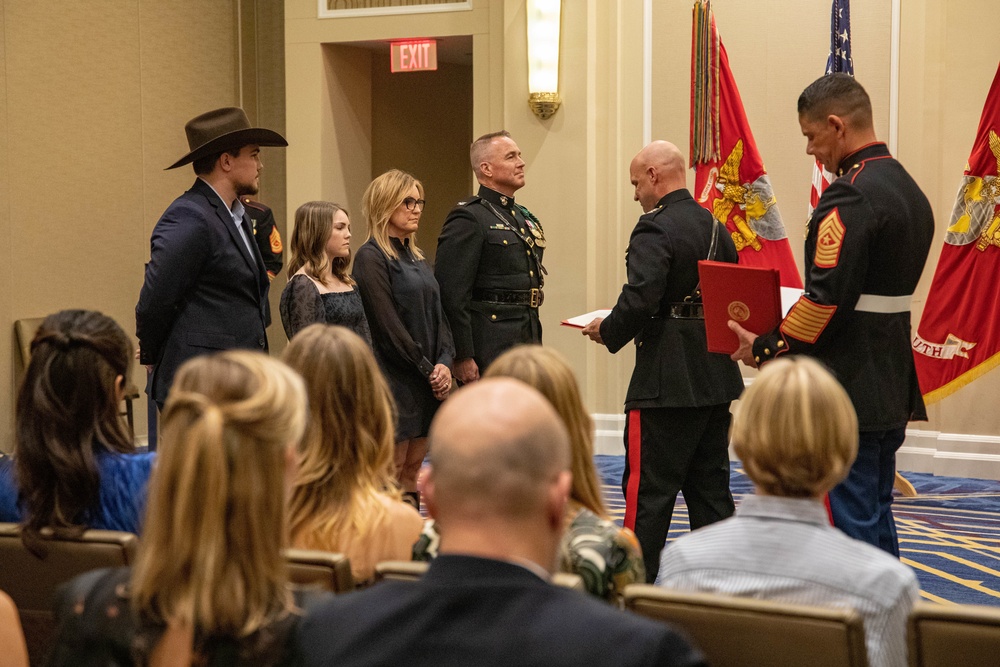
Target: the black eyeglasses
(410, 203)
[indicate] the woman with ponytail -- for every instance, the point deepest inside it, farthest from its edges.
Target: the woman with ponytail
(344, 497)
(210, 585)
(74, 466)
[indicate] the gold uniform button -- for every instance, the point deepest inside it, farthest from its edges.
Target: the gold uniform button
(522, 230)
(767, 351)
(531, 273)
(505, 241)
(781, 344)
(640, 343)
(493, 317)
(527, 252)
(757, 359)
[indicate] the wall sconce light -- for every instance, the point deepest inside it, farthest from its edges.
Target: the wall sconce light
(543, 56)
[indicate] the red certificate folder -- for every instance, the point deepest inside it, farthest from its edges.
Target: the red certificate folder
(749, 295)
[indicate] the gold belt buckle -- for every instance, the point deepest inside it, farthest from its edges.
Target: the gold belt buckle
(536, 297)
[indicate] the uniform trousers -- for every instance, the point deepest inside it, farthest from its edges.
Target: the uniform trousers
(861, 505)
(669, 450)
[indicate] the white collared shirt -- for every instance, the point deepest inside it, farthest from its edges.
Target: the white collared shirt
(784, 549)
(236, 212)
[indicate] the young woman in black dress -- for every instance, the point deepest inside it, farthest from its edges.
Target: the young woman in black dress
(319, 288)
(411, 337)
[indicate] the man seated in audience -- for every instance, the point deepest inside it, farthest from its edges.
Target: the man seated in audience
(497, 488)
(797, 434)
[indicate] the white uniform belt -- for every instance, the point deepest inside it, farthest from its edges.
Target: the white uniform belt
(876, 303)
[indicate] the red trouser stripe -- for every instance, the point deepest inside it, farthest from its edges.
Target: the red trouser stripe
(634, 456)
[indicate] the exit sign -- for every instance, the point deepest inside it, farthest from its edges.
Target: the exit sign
(415, 55)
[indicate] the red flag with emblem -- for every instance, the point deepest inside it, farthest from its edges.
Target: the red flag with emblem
(958, 339)
(730, 180)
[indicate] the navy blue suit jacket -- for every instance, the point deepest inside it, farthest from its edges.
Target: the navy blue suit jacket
(475, 611)
(204, 289)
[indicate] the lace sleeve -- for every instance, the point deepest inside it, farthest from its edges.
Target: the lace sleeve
(300, 305)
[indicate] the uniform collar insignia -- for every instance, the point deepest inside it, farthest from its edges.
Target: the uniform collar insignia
(491, 195)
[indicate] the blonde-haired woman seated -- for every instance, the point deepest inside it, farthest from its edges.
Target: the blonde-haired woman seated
(344, 497)
(412, 339)
(605, 556)
(797, 434)
(210, 583)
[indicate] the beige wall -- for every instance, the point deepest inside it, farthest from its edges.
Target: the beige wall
(93, 101)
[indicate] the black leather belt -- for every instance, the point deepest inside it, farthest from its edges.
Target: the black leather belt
(519, 297)
(687, 311)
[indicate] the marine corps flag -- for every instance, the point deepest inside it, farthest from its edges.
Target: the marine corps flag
(730, 180)
(959, 334)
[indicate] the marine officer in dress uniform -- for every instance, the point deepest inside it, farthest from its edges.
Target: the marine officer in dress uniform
(866, 246)
(489, 261)
(265, 235)
(268, 240)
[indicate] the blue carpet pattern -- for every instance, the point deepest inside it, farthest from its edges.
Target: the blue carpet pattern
(949, 534)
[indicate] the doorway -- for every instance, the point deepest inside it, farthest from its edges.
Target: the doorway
(420, 122)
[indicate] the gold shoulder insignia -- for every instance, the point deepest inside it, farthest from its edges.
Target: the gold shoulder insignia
(829, 241)
(807, 320)
(275, 240)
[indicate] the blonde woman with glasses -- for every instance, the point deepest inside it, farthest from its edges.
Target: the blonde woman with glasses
(210, 585)
(411, 337)
(344, 497)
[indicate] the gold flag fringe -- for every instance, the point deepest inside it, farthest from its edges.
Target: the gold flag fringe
(704, 85)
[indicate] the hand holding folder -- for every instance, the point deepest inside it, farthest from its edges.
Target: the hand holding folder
(748, 295)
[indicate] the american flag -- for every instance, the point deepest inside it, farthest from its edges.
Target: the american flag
(839, 60)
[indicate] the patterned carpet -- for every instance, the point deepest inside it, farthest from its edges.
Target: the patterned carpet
(949, 533)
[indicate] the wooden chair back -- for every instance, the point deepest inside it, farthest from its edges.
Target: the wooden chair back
(967, 635)
(320, 568)
(747, 632)
(32, 581)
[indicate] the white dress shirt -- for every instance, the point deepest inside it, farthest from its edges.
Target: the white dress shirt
(784, 549)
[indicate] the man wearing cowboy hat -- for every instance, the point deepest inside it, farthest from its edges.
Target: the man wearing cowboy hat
(206, 285)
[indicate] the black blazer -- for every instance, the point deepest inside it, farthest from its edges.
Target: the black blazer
(204, 290)
(475, 611)
(673, 367)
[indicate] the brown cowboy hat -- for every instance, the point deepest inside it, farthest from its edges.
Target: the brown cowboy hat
(222, 129)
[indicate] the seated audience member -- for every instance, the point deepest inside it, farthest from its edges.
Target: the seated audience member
(210, 585)
(344, 497)
(796, 432)
(605, 556)
(497, 486)
(319, 288)
(13, 651)
(74, 465)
